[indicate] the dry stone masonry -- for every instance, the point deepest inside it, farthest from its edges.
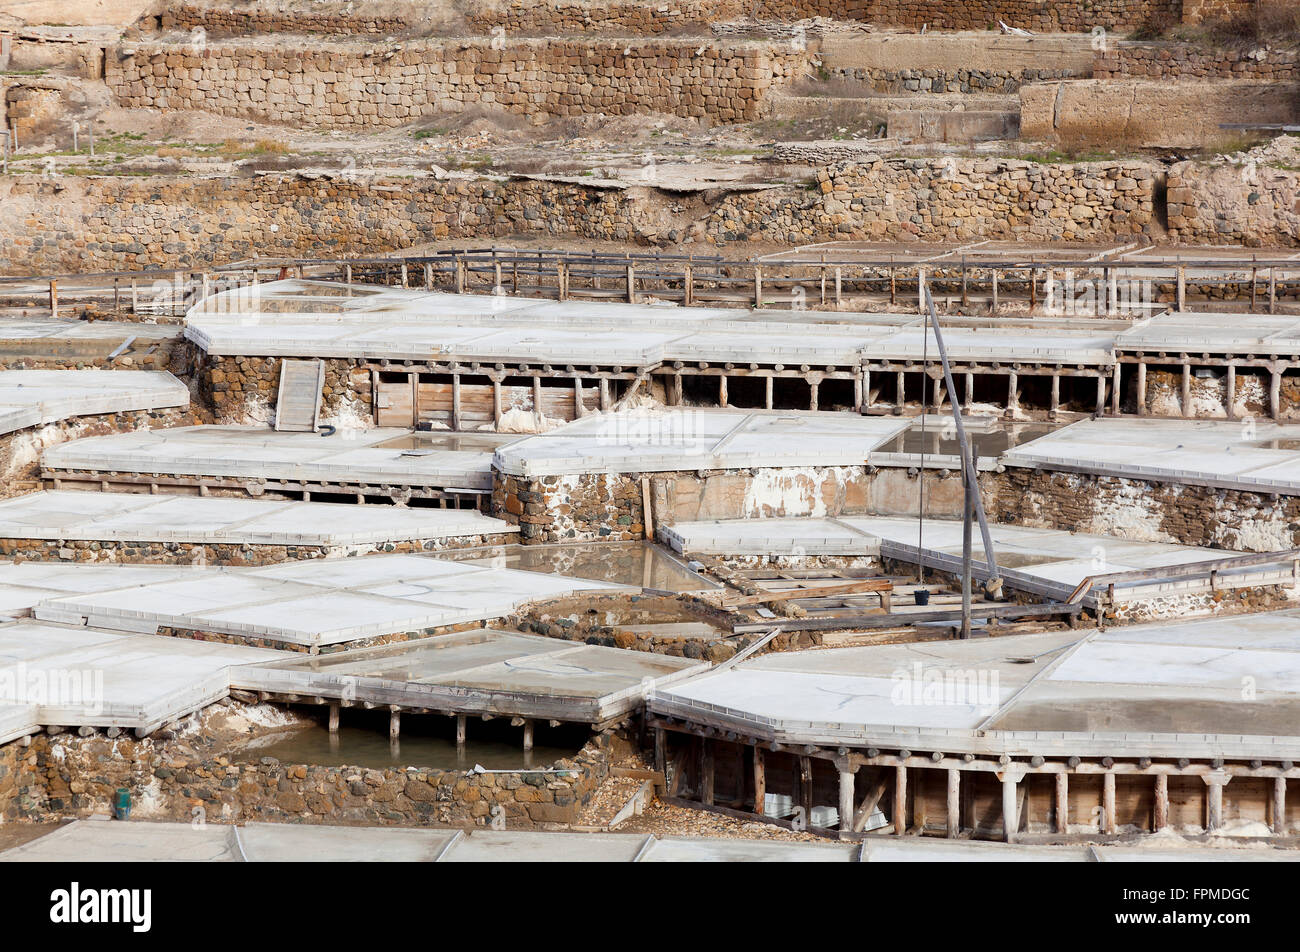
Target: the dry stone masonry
(343, 86)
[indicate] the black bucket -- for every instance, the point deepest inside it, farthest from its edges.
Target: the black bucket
(922, 596)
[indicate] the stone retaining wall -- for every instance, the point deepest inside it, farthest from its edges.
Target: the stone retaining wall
(69, 776)
(1144, 511)
(1145, 113)
(356, 87)
(226, 20)
(243, 389)
(560, 17)
(197, 553)
(20, 451)
(76, 224)
(608, 506)
(1182, 61)
(947, 199)
(957, 80)
(1256, 204)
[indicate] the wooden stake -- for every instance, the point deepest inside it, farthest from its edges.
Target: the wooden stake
(954, 803)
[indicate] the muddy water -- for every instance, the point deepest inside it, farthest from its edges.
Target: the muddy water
(363, 747)
(942, 440)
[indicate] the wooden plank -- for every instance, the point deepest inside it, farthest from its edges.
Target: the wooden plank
(894, 620)
(297, 403)
(851, 588)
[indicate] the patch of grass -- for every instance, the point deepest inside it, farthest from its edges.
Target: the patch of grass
(476, 162)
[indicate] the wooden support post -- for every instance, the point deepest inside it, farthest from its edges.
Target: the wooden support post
(604, 393)
(455, 403)
(760, 779)
(968, 393)
(814, 388)
(394, 722)
(706, 771)
(1275, 394)
(1215, 781)
(1101, 394)
(846, 801)
(1013, 393)
(1232, 391)
(1254, 288)
(1108, 802)
(1010, 807)
(838, 297)
(900, 399)
(428, 275)
(1033, 289)
(54, 299)
(920, 290)
(496, 401)
(954, 803)
(459, 267)
(1160, 804)
(579, 411)
(806, 787)
(334, 718)
(1049, 292)
(893, 285)
(688, 285)
(866, 400)
(1180, 299)
(528, 734)
(899, 806)
(497, 287)
(405, 276)
(647, 509)
(1278, 824)
(1185, 396)
(631, 284)
(1142, 387)
(722, 390)
(993, 304)
(1272, 290)
(661, 751)
(822, 290)
(1056, 397)
(460, 730)
(758, 286)
(1062, 808)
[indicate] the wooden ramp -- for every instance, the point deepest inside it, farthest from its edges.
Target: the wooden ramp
(297, 406)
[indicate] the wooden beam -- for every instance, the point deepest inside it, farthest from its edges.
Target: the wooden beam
(851, 588)
(899, 806)
(954, 803)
